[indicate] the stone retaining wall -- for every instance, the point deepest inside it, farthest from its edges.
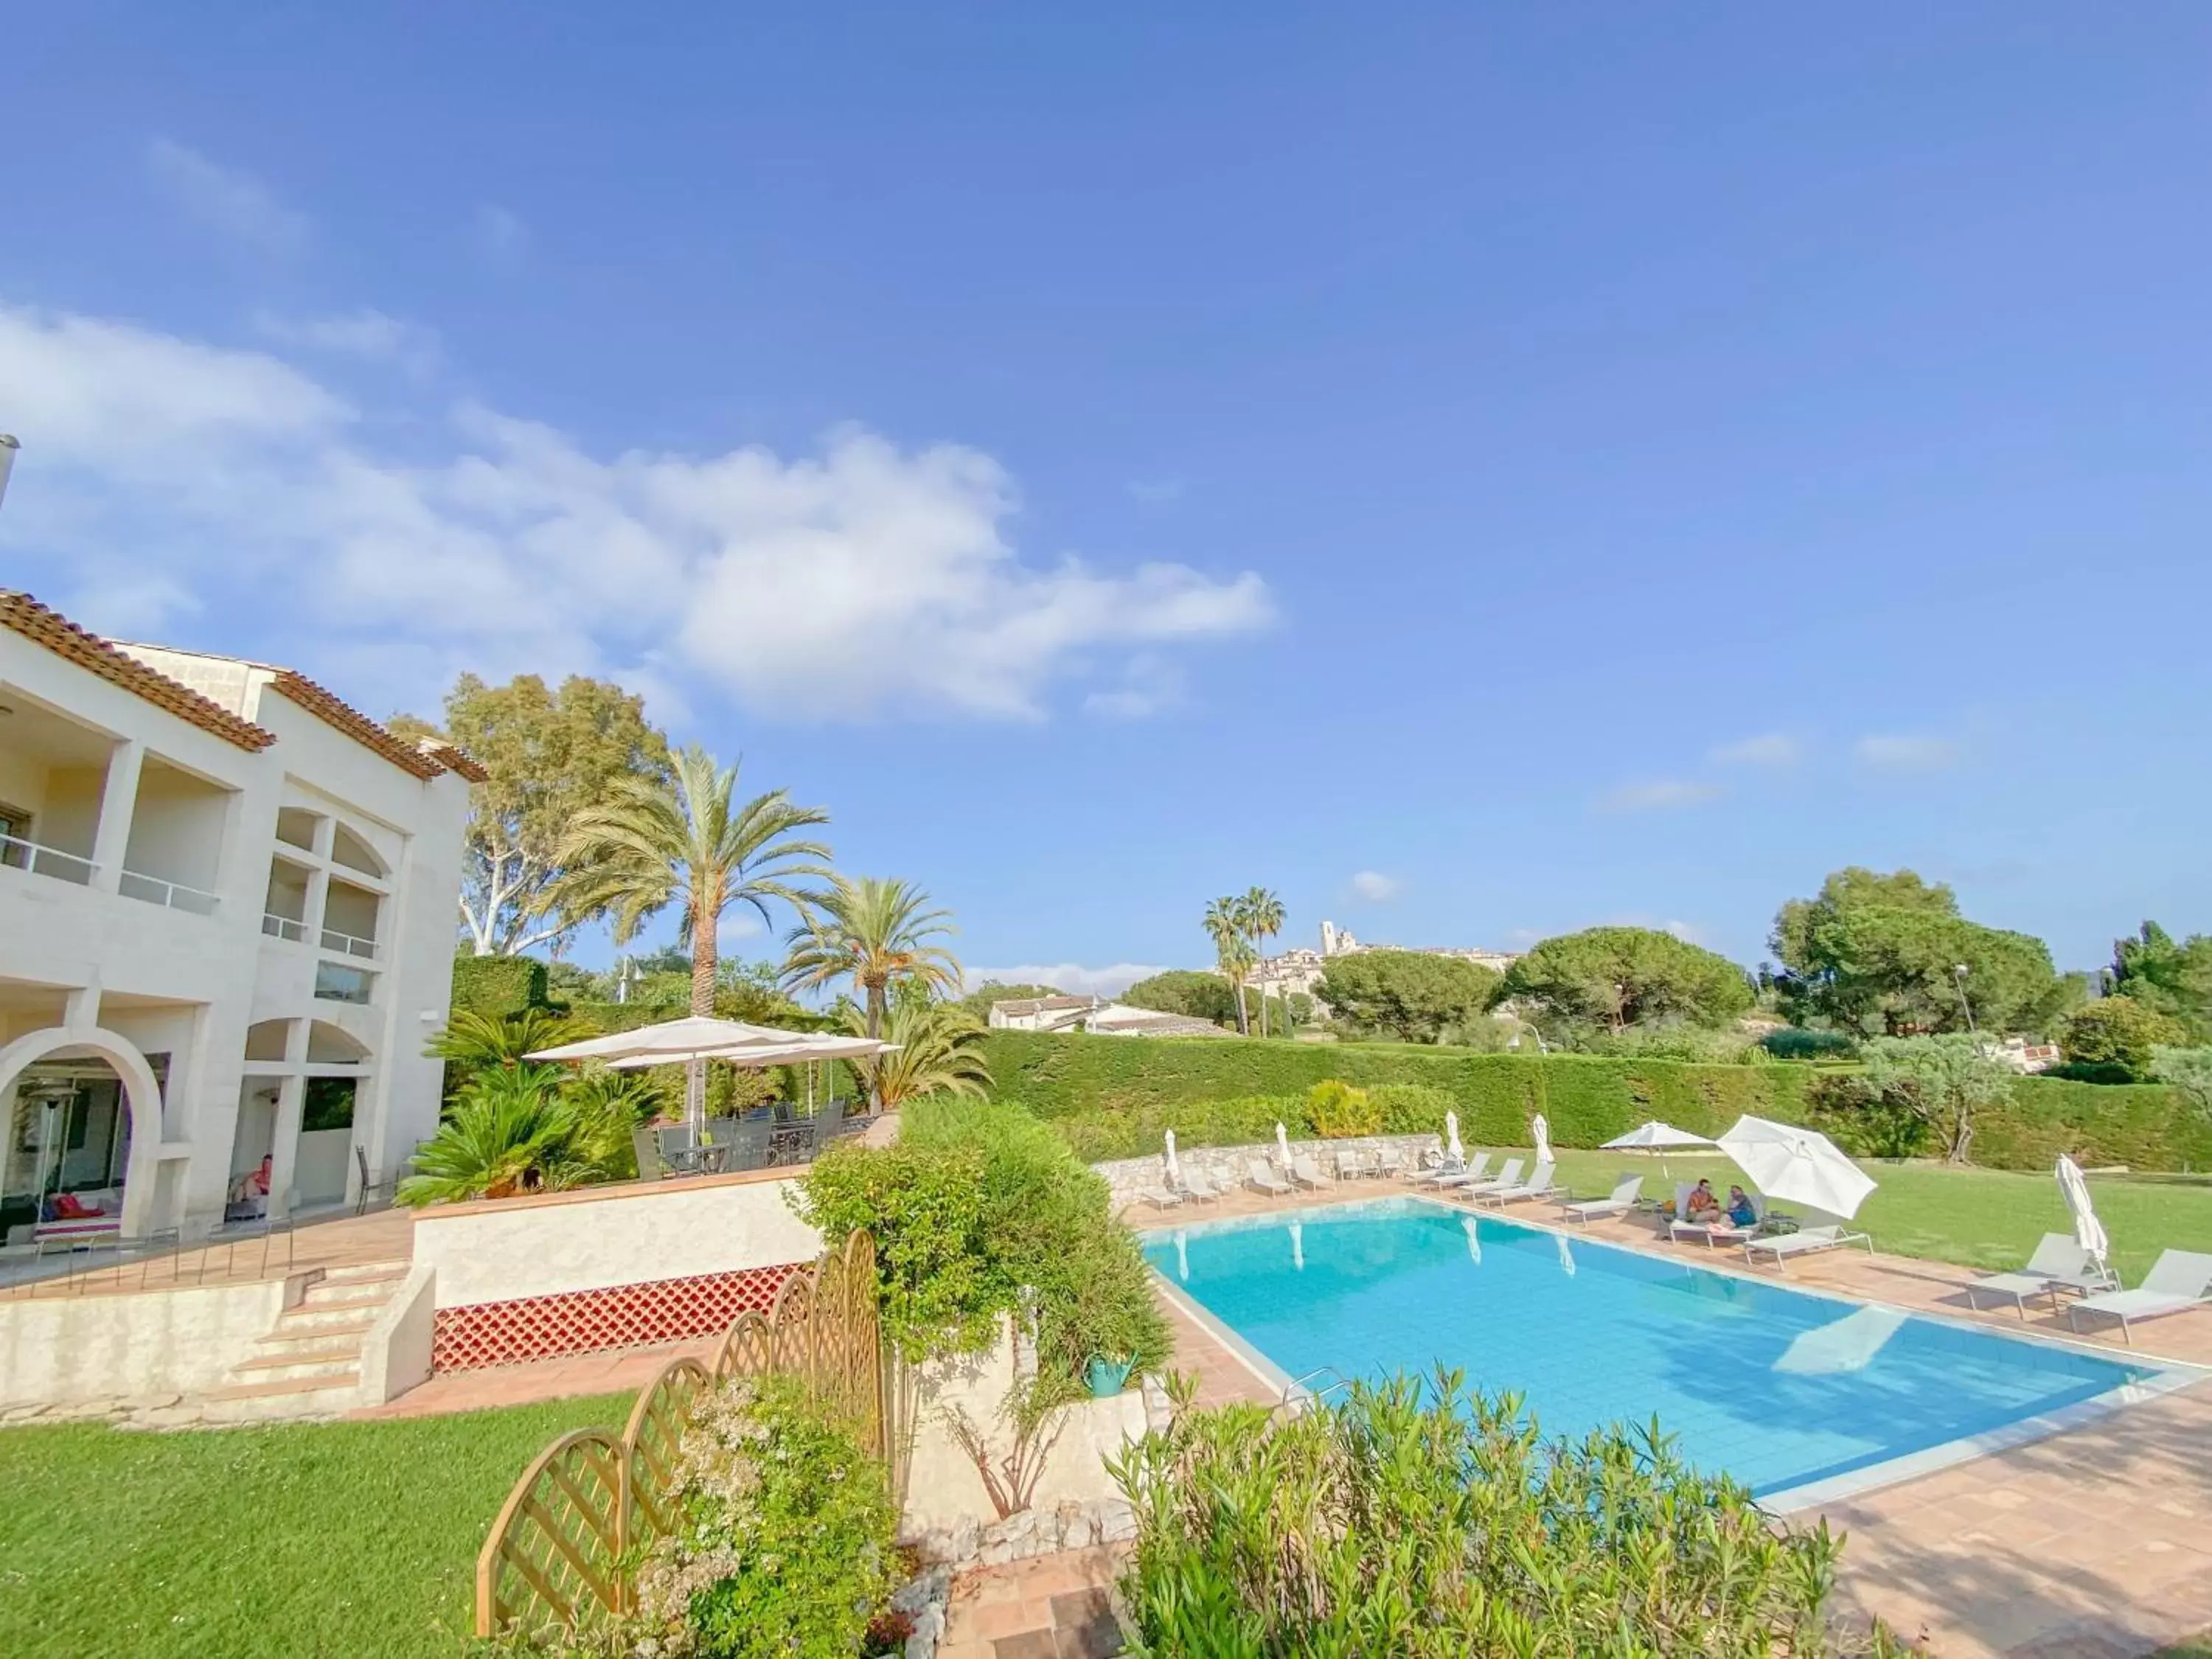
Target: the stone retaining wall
(1225, 1165)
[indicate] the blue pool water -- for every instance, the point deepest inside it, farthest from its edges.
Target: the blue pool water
(1776, 1386)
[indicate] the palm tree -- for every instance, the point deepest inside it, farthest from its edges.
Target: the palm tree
(688, 840)
(875, 931)
(509, 1130)
(936, 1053)
(1263, 917)
(475, 1042)
(1232, 949)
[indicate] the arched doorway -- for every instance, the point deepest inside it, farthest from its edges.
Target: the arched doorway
(140, 1096)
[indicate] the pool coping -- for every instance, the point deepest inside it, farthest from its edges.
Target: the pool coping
(2169, 1375)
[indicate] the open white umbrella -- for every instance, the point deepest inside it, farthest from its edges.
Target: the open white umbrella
(1453, 1150)
(1174, 1168)
(793, 1048)
(1283, 1144)
(1657, 1139)
(1542, 1132)
(671, 1043)
(1801, 1166)
(2088, 1231)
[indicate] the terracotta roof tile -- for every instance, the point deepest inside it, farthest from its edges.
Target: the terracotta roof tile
(24, 615)
(329, 708)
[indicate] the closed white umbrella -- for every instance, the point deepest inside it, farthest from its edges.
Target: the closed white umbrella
(1174, 1168)
(1801, 1166)
(1542, 1132)
(1283, 1144)
(1453, 1150)
(2088, 1231)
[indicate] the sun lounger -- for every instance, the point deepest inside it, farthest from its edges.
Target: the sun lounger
(1352, 1166)
(1508, 1175)
(1625, 1194)
(1715, 1233)
(2059, 1264)
(1467, 1177)
(2177, 1281)
(1539, 1184)
(1448, 1169)
(1805, 1241)
(1307, 1173)
(1259, 1176)
(1160, 1198)
(1198, 1189)
(1389, 1162)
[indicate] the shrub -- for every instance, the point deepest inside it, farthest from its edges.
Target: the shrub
(1409, 1108)
(1796, 1042)
(979, 1211)
(497, 986)
(1863, 1121)
(785, 1550)
(1338, 1111)
(2117, 1031)
(1423, 1520)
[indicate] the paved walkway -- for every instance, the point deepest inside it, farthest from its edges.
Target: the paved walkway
(343, 1241)
(1054, 1607)
(613, 1370)
(2092, 1544)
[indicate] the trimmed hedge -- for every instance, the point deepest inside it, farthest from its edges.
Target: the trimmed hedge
(496, 987)
(1114, 1096)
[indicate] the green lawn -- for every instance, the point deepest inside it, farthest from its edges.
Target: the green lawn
(345, 1540)
(1978, 1217)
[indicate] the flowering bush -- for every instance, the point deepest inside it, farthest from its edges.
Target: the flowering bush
(1340, 1112)
(786, 1545)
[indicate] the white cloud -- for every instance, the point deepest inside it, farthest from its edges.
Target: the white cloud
(1906, 753)
(1149, 686)
(501, 237)
(1659, 795)
(864, 579)
(1773, 748)
(367, 334)
(1072, 977)
(235, 202)
(1151, 491)
(1376, 887)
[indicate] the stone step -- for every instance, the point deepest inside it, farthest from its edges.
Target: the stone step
(312, 1315)
(289, 1393)
(307, 1336)
(361, 1273)
(340, 1360)
(348, 1294)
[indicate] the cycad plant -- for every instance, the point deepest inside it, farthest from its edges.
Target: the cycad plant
(473, 1042)
(875, 932)
(692, 842)
(508, 1131)
(938, 1052)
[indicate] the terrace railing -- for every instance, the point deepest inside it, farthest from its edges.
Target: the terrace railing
(17, 853)
(350, 944)
(564, 1553)
(174, 895)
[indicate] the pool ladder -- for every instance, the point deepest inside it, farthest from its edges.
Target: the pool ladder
(1297, 1394)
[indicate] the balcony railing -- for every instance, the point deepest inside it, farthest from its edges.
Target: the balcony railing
(17, 853)
(349, 944)
(174, 894)
(279, 927)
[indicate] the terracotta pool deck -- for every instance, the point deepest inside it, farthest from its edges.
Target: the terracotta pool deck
(2093, 1543)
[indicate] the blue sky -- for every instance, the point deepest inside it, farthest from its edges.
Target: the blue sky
(1480, 471)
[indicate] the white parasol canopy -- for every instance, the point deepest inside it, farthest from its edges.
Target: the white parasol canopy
(1800, 1165)
(695, 1036)
(1653, 1137)
(1542, 1132)
(1453, 1150)
(2089, 1231)
(797, 1048)
(1174, 1165)
(1282, 1143)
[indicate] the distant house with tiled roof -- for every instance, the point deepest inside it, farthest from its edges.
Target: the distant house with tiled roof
(1094, 1015)
(226, 913)
(1039, 1013)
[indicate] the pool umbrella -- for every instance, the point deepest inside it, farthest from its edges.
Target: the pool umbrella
(2089, 1231)
(1175, 1167)
(1656, 1138)
(1474, 1238)
(1800, 1165)
(1542, 1132)
(1297, 1247)
(672, 1042)
(1282, 1143)
(1453, 1150)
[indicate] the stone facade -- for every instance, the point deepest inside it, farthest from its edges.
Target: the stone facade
(1128, 1177)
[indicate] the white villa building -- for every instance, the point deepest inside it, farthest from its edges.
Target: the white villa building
(227, 907)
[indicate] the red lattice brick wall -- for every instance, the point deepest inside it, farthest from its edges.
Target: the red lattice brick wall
(578, 1321)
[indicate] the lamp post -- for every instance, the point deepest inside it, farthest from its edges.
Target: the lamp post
(8, 448)
(1959, 979)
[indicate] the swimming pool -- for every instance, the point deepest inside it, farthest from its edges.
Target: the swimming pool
(1784, 1389)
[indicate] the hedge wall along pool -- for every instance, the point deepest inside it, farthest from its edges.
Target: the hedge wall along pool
(1114, 1096)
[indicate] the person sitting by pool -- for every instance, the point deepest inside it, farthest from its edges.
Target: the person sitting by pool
(1703, 1207)
(1742, 1211)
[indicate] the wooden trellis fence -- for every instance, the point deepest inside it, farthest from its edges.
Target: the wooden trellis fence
(565, 1549)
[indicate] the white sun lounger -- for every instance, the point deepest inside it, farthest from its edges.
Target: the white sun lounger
(1198, 1189)
(1539, 1184)
(1625, 1194)
(1160, 1198)
(1389, 1162)
(1509, 1175)
(1307, 1173)
(1451, 1170)
(1258, 1174)
(1472, 1174)
(2177, 1281)
(2059, 1264)
(1350, 1166)
(1714, 1232)
(1805, 1241)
